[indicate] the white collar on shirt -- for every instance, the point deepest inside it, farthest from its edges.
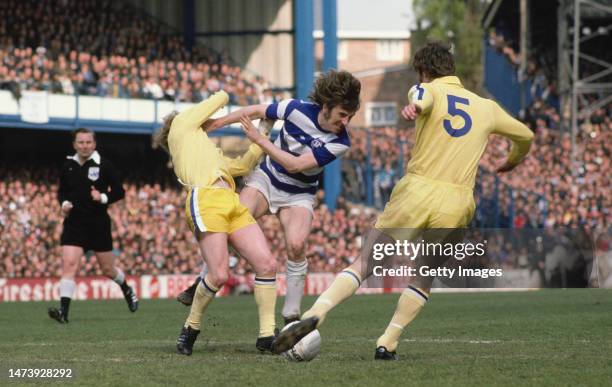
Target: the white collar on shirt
(95, 156)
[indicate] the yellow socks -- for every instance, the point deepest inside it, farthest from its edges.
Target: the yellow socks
(408, 307)
(204, 295)
(265, 298)
(344, 286)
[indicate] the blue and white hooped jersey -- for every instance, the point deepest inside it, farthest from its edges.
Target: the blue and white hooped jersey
(301, 133)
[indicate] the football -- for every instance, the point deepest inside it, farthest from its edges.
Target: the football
(306, 349)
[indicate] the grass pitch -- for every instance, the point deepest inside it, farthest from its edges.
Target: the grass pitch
(553, 337)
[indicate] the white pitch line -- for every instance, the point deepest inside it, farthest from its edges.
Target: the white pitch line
(452, 341)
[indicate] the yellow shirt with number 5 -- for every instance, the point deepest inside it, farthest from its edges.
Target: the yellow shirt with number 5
(452, 130)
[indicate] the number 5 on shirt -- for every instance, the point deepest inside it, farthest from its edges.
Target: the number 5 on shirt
(454, 110)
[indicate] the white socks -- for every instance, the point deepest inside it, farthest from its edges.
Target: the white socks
(67, 287)
(295, 277)
(120, 278)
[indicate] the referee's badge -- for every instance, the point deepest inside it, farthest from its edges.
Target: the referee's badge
(93, 173)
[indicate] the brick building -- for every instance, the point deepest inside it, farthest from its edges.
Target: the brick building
(374, 45)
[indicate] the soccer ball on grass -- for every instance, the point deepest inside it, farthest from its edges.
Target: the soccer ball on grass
(306, 349)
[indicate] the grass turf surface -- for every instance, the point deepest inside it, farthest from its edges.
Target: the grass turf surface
(552, 337)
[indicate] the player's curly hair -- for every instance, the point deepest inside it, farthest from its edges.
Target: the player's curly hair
(435, 60)
(337, 88)
(160, 137)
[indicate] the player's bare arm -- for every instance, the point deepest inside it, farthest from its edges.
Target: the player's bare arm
(291, 163)
(253, 112)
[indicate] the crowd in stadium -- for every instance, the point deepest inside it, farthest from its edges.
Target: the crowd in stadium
(48, 51)
(539, 67)
(149, 229)
(151, 235)
(111, 52)
(381, 152)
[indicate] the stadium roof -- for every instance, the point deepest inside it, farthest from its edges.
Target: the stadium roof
(591, 9)
(366, 19)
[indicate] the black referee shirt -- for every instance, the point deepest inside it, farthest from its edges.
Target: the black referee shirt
(76, 181)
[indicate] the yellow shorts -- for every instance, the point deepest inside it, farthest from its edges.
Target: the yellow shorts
(420, 202)
(216, 209)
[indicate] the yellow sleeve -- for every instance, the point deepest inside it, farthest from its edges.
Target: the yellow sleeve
(421, 95)
(196, 115)
(511, 128)
(244, 164)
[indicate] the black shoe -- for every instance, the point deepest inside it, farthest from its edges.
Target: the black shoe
(290, 336)
(264, 344)
(383, 354)
(131, 299)
(186, 296)
(57, 315)
(290, 319)
(184, 344)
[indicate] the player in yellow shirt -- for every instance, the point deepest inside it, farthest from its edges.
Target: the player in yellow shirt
(452, 129)
(216, 216)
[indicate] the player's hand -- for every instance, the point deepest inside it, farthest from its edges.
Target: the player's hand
(95, 194)
(250, 130)
(410, 112)
(210, 124)
(507, 167)
(66, 207)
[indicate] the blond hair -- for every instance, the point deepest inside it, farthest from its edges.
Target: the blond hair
(160, 137)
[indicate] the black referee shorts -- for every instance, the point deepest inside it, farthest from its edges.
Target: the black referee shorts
(92, 233)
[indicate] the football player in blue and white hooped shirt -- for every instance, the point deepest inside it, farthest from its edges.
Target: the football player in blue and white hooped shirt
(313, 135)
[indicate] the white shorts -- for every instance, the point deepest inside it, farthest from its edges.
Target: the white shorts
(276, 198)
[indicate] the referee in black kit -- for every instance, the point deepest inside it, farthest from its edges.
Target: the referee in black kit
(88, 184)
